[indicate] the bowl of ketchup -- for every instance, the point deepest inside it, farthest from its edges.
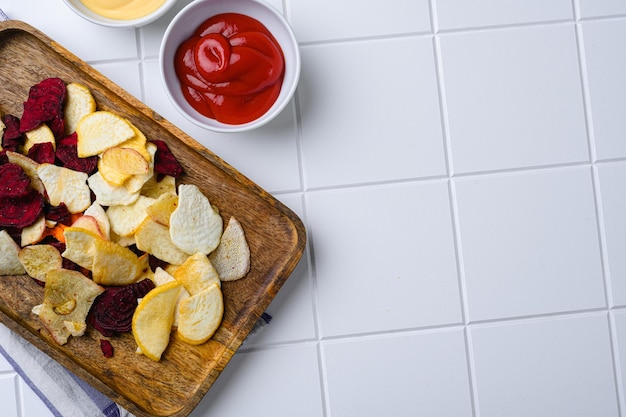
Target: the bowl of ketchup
(229, 65)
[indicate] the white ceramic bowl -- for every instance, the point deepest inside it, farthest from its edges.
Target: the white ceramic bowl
(80, 9)
(186, 22)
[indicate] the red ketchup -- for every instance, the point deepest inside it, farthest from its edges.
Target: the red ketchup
(231, 69)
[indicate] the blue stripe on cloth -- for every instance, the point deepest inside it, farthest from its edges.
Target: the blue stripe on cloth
(30, 383)
(104, 403)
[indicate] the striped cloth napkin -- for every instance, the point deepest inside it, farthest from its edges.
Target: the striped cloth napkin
(61, 391)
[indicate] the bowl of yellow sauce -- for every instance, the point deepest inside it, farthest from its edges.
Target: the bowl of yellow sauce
(120, 13)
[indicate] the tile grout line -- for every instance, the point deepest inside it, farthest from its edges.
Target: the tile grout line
(462, 30)
(596, 189)
(319, 346)
(454, 212)
(461, 175)
(309, 253)
(19, 394)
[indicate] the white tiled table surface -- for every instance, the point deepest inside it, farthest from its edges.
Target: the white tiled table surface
(461, 170)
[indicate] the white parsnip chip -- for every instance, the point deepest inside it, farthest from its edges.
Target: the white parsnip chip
(126, 219)
(110, 195)
(231, 258)
(101, 130)
(67, 186)
(9, 261)
(154, 238)
(194, 224)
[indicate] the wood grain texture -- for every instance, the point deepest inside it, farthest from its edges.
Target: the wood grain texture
(174, 386)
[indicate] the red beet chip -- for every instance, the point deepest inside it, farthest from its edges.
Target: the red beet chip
(14, 182)
(164, 161)
(12, 138)
(45, 102)
(67, 155)
(4, 159)
(112, 311)
(22, 211)
(42, 153)
(59, 214)
(57, 125)
(106, 347)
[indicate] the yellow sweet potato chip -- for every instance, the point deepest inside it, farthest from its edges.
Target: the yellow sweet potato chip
(38, 260)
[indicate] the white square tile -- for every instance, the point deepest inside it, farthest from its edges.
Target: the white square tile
(292, 308)
(529, 243)
(9, 395)
(514, 98)
(32, 404)
(85, 39)
(422, 374)
(358, 123)
(341, 19)
(596, 8)
(5, 365)
(545, 368)
(612, 194)
(457, 14)
(384, 258)
(606, 64)
(268, 156)
(267, 383)
(125, 74)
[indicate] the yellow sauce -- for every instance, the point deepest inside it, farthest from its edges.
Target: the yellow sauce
(123, 9)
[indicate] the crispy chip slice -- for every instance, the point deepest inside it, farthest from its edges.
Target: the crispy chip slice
(200, 315)
(160, 277)
(33, 233)
(101, 130)
(89, 223)
(110, 195)
(38, 260)
(194, 225)
(68, 296)
(136, 182)
(41, 134)
(118, 164)
(162, 208)
(111, 175)
(123, 240)
(197, 273)
(153, 188)
(9, 261)
(80, 246)
(125, 220)
(78, 102)
(138, 143)
(114, 264)
(231, 258)
(67, 186)
(30, 168)
(153, 319)
(154, 238)
(97, 212)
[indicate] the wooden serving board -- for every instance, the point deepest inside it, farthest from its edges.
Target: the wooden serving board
(175, 385)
